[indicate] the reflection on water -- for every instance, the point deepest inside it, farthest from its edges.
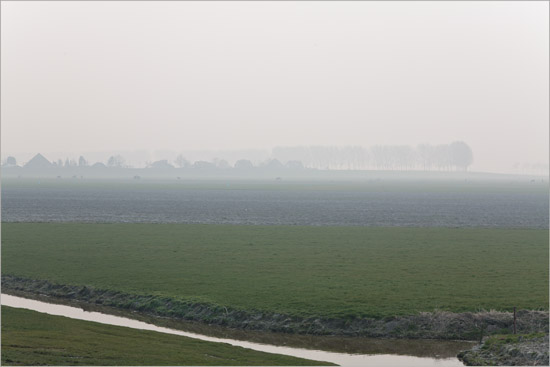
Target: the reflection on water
(352, 345)
(339, 350)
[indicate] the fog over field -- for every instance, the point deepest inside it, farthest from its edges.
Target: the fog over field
(243, 80)
(388, 203)
(350, 183)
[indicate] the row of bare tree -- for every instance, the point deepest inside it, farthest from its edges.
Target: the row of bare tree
(454, 156)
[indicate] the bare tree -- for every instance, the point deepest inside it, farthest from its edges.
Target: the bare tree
(425, 156)
(69, 163)
(181, 161)
(442, 156)
(115, 161)
(221, 163)
(82, 162)
(244, 164)
(460, 155)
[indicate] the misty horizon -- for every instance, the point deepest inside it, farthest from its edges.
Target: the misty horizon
(346, 182)
(205, 78)
(456, 156)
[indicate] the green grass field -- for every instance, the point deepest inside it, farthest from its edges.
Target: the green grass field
(306, 271)
(33, 338)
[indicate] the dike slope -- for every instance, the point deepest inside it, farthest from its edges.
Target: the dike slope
(509, 350)
(425, 325)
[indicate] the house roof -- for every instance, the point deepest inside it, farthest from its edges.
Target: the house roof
(38, 161)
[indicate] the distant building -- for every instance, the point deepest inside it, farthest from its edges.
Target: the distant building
(161, 164)
(38, 162)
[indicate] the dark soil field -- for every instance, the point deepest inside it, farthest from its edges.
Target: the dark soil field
(475, 204)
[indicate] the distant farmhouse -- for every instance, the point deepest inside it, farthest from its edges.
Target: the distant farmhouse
(38, 162)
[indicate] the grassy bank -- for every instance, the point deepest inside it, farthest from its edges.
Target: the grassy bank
(509, 350)
(33, 338)
(331, 272)
(426, 325)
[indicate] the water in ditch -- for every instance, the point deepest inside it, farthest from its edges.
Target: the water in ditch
(339, 350)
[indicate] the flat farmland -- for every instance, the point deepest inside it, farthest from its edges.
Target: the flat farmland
(376, 202)
(306, 271)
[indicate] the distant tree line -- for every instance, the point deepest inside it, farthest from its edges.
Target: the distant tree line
(454, 156)
(118, 162)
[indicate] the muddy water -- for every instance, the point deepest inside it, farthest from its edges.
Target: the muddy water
(354, 356)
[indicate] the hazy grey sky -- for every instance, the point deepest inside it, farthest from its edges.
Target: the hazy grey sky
(92, 76)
